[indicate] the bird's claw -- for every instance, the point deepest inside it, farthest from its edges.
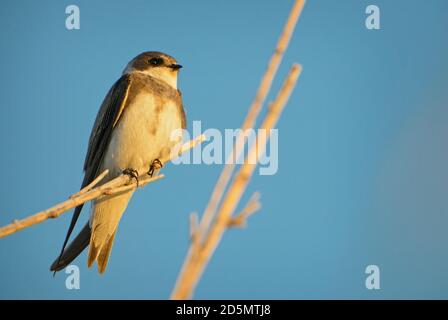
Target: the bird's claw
(132, 173)
(155, 165)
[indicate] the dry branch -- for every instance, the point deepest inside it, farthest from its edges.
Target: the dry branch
(206, 237)
(90, 192)
(254, 110)
(200, 252)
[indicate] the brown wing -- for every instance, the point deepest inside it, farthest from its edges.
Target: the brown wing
(108, 116)
(182, 111)
(106, 119)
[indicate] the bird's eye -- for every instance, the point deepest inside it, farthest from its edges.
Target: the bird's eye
(156, 61)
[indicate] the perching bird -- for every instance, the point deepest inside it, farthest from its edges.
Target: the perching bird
(132, 131)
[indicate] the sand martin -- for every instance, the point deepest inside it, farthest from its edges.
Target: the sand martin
(131, 132)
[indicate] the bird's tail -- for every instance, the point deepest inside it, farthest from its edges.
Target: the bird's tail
(73, 250)
(106, 214)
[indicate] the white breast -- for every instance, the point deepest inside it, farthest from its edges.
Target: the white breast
(143, 134)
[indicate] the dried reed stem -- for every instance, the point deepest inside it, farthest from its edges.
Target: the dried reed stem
(90, 192)
(254, 110)
(200, 253)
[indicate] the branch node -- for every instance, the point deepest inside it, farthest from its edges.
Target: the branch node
(91, 185)
(252, 206)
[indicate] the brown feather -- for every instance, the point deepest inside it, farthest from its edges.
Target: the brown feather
(109, 114)
(103, 257)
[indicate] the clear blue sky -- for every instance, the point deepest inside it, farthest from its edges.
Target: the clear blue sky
(363, 146)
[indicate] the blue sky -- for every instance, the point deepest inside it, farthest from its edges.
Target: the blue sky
(362, 173)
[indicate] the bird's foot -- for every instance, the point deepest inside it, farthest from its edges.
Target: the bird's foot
(132, 173)
(155, 165)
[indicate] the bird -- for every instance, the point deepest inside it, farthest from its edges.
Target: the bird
(131, 133)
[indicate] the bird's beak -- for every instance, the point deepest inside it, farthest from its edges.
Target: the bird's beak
(175, 66)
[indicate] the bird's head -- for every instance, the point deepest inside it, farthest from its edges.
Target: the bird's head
(157, 65)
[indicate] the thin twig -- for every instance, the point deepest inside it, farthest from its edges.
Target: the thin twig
(114, 186)
(91, 184)
(199, 255)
